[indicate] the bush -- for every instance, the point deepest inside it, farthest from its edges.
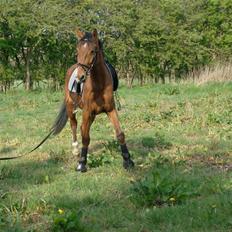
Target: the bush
(167, 184)
(67, 222)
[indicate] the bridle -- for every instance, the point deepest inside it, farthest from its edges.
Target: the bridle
(87, 68)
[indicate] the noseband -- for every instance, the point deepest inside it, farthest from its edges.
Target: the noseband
(87, 68)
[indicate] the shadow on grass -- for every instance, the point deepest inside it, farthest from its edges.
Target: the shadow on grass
(5, 150)
(101, 212)
(144, 143)
(167, 183)
(171, 180)
(20, 174)
(105, 152)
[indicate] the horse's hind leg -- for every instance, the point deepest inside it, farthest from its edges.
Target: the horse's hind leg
(73, 124)
(127, 162)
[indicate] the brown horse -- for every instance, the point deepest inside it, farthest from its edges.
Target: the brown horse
(97, 97)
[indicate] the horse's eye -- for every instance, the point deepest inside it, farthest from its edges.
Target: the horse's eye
(92, 51)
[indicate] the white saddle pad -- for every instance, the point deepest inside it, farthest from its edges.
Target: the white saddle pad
(72, 80)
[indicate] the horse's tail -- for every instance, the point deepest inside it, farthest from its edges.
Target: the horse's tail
(56, 128)
(58, 125)
(60, 120)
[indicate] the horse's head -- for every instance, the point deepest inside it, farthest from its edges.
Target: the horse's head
(87, 49)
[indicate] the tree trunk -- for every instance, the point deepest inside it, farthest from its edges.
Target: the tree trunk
(163, 79)
(28, 84)
(128, 78)
(156, 79)
(130, 75)
(26, 56)
(170, 77)
(131, 81)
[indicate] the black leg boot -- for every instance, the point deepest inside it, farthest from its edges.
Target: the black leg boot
(81, 167)
(127, 161)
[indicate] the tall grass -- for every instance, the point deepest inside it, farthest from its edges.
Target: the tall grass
(215, 73)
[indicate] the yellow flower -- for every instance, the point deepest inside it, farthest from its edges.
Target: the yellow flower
(60, 211)
(172, 199)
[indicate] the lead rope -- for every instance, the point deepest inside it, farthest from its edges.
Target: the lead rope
(117, 99)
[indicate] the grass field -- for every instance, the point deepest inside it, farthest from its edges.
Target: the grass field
(180, 138)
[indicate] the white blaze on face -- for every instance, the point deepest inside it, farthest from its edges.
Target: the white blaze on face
(85, 45)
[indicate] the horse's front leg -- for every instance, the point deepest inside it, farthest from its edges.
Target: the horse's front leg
(127, 161)
(87, 119)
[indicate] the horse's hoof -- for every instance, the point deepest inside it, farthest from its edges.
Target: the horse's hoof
(128, 164)
(81, 167)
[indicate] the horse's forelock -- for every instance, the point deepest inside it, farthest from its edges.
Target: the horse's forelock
(87, 37)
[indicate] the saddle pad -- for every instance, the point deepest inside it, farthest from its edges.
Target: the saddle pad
(73, 86)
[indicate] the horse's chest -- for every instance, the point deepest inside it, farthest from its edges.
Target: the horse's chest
(100, 103)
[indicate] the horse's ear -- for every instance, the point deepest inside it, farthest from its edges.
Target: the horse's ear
(95, 34)
(80, 34)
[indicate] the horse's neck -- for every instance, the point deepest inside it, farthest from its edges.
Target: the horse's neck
(99, 67)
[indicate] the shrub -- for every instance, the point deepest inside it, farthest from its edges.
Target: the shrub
(166, 184)
(67, 222)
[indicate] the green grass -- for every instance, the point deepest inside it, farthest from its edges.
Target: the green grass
(179, 136)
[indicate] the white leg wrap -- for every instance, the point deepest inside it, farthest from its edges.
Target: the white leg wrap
(75, 150)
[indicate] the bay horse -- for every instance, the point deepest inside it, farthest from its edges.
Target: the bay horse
(97, 97)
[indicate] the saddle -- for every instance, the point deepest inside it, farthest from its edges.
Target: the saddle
(113, 73)
(75, 87)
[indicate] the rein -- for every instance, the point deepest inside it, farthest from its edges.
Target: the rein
(27, 153)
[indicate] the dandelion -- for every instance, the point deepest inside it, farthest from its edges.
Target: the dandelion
(60, 211)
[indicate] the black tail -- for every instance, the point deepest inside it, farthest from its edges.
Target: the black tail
(56, 128)
(60, 120)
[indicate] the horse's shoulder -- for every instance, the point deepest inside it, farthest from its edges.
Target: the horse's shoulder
(70, 70)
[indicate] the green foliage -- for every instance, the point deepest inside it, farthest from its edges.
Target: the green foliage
(167, 115)
(67, 222)
(106, 156)
(147, 40)
(100, 160)
(148, 142)
(220, 118)
(168, 184)
(172, 91)
(156, 141)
